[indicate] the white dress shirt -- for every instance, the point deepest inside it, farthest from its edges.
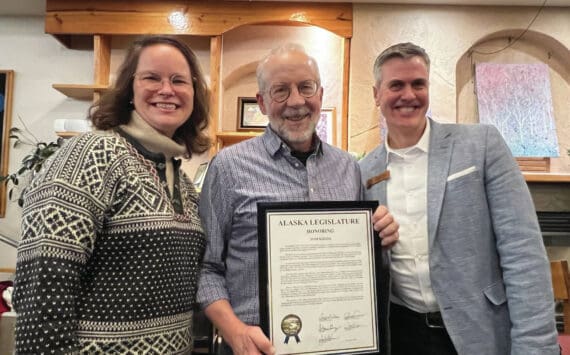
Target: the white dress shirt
(407, 201)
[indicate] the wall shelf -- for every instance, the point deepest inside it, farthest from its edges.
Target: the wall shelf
(80, 91)
(225, 139)
(546, 177)
(67, 134)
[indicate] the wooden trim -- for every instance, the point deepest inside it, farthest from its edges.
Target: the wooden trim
(345, 84)
(215, 98)
(551, 177)
(206, 18)
(7, 271)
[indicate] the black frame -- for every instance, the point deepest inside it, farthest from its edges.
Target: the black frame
(243, 103)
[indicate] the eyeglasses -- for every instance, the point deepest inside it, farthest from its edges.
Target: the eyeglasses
(281, 92)
(153, 81)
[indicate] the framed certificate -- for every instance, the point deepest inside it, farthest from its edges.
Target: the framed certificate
(319, 277)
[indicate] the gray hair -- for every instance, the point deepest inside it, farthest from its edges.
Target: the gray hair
(283, 49)
(401, 50)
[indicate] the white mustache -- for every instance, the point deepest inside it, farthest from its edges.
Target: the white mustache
(295, 114)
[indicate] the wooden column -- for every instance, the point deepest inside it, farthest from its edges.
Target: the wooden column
(101, 62)
(215, 92)
(345, 83)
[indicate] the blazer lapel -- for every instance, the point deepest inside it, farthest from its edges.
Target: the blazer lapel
(439, 158)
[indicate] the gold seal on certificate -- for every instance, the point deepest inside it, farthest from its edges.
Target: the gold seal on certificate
(291, 326)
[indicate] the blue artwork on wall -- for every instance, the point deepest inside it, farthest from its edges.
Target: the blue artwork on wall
(516, 98)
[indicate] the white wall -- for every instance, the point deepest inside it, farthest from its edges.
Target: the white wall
(38, 61)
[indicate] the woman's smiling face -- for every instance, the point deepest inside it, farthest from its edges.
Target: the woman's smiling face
(163, 88)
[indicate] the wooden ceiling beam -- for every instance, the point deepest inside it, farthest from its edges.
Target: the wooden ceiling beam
(205, 18)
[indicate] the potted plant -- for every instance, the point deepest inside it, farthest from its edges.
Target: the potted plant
(31, 163)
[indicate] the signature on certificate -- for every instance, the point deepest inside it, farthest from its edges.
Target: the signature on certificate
(353, 315)
(326, 338)
(328, 317)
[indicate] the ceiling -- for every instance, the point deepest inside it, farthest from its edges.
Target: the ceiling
(37, 7)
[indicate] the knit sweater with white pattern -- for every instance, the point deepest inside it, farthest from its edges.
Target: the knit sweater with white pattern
(109, 257)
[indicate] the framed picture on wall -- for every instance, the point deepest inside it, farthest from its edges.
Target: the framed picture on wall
(326, 127)
(6, 86)
(250, 117)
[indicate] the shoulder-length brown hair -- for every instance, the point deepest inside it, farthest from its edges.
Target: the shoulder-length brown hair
(115, 106)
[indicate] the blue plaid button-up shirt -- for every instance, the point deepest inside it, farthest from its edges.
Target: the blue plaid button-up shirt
(260, 169)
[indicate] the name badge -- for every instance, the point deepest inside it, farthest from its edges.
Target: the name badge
(378, 178)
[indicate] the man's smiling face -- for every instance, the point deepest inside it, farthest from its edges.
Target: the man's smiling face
(403, 96)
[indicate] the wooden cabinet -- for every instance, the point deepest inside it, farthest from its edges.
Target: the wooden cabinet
(103, 19)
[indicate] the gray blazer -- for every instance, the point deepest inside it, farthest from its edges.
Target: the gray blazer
(488, 265)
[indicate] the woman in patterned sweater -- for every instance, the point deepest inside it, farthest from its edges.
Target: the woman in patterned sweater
(111, 239)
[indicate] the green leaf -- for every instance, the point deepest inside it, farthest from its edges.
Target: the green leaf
(33, 161)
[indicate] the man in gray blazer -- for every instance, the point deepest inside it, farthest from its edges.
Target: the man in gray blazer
(470, 273)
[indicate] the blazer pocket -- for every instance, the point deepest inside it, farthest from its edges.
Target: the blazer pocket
(496, 293)
(461, 173)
